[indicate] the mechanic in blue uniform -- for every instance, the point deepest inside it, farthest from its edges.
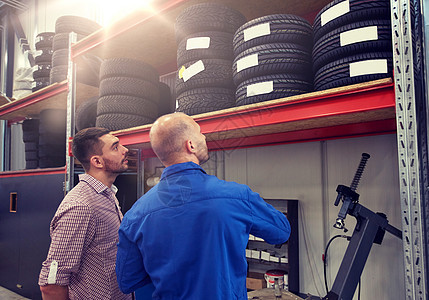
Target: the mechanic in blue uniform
(188, 234)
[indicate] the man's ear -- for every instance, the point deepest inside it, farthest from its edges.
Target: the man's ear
(190, 146)
(97, 162)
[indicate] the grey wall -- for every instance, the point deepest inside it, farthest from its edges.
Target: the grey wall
(310, 172)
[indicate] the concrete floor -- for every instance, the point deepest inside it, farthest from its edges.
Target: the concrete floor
(8, 295)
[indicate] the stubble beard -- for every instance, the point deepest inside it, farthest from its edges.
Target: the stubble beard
(116, 168)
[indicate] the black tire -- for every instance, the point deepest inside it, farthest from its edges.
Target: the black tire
(207, 17)
(61, 40)
(129, 87)
(86, 113)
(31, 146)
(56, 140)
(31, 164)
(44, 40)
(41, 73)
(216, 73)
(30, 125)
(166, 103)
(31, 155)
(88, 71)
(81, 25)
(198, 101)
(60, 58)
(58, 74)
(40, 83)
(30, 136)
(54, 148)
(127, 105)
(52, 121)
(121, 121)
(273, 59)
(328, 48)
(358, 10)
(45, 50)
(283, 85)
(337, 73)
(283, 28)
(220, 47)
(43, 59)
(125, 67)
(52, 161)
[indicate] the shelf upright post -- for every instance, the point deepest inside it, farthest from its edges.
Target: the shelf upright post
(140, 174)
(408, 85)
(71, 106)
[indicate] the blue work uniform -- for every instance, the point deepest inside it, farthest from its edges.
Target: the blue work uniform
(189, 233)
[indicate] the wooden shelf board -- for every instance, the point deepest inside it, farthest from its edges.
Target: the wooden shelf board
(148, 35)
(4, 100)
(50, 97)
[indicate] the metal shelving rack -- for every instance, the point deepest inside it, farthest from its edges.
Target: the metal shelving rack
(412, 153)
(247, 126)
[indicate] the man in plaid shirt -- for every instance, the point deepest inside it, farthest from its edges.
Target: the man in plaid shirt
(84, 230)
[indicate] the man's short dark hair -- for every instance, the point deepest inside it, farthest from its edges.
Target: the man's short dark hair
(87, 143)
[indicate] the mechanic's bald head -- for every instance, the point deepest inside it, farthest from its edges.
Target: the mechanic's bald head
(176, 138)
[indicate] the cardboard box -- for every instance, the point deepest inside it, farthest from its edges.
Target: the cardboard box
(255, 283)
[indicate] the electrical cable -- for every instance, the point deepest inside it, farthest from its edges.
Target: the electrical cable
(325, 255)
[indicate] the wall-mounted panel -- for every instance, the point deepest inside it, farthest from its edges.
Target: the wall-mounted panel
(24, 234)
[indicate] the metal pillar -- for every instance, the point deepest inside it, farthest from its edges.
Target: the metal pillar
(406, 37)
(140, 174)
(7, 57)
(10, 58)
(71, 107)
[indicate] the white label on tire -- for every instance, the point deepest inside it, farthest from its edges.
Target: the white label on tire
(366, 67)
(247, 62)
(334, 12)
(260, 88)
(193, 70)
(359, 35)
(256, 31)
(198, 43)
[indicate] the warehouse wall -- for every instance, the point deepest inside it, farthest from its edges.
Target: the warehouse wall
(310, 172)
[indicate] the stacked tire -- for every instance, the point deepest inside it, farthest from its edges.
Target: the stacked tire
(83, 27)
(128, 95)
(167, 103)
(30, 137)
(52, 138)
(43, 60)
(86, 113)
(272, 58)
(352, 43)
(204, 34)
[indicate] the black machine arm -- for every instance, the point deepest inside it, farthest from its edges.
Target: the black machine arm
(370, 228)
(348, 194)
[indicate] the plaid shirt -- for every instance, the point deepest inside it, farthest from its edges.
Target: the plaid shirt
(84, 234)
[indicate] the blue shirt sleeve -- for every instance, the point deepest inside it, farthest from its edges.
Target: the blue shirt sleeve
(268, 223)
(130, 271)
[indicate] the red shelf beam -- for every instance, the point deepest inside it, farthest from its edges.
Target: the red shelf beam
(239, 127)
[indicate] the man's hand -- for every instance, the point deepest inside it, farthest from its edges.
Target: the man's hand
(54, 292)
